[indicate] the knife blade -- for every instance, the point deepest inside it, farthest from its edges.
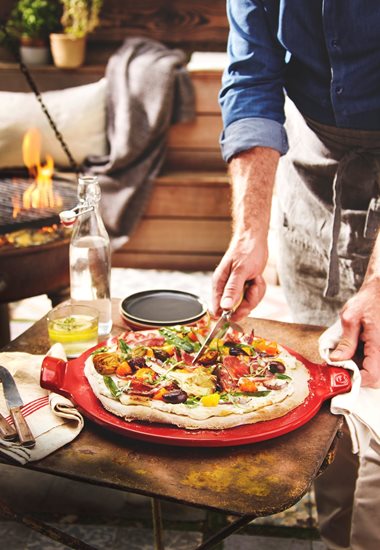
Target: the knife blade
(14, 403)
(223, 319)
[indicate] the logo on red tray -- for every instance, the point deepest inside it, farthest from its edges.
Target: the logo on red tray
(340, 379)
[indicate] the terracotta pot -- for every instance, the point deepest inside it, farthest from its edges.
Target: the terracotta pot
(68, 51)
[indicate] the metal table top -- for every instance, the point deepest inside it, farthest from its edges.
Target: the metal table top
(257, 479)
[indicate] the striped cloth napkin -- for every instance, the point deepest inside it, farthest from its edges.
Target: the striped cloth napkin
(52, 418)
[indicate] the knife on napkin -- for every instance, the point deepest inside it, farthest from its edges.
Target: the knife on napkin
(7, 431)
(14, 402)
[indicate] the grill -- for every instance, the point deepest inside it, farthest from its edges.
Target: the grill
(39, 269)
(33, 217)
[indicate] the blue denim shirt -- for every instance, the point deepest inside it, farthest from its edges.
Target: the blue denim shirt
(324, 54)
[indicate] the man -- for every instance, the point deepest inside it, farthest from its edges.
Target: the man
(325, 56)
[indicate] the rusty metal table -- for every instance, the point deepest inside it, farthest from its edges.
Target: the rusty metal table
(247, 481)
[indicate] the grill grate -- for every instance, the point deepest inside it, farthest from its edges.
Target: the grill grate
(34, 217)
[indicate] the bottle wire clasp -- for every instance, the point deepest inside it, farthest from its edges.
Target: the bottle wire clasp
(69, 217)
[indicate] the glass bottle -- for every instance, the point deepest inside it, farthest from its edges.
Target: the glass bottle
(90, 254)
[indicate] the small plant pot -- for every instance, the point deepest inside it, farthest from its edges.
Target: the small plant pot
(68, 52)
(34, 51)
(35, 56)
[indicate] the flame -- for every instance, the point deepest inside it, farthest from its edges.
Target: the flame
(40, 193)
(31, 150)
(16, 204)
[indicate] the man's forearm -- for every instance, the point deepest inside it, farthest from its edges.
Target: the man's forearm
(252, 174)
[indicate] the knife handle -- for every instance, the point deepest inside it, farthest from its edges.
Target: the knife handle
(7, 431)
(228, 312)
(24, 434)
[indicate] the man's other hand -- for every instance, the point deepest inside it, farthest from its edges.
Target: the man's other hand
(360, 318)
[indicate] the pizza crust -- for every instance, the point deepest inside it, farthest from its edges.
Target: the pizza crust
(277, 404)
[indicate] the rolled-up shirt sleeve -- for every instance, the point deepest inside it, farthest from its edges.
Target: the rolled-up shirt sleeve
(252, 94)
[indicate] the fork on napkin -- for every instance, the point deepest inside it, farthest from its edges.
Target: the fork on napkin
(53, 419)
(360, 406)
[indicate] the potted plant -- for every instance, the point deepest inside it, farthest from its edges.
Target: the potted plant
(31, 22)
(79, 18)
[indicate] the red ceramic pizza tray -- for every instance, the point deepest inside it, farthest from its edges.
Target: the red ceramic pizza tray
(68, 379)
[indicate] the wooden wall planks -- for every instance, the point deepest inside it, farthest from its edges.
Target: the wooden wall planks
(170, 21)
(186, 224)
(195, 25)
(191, 196)
(180, 236)
(167, 260)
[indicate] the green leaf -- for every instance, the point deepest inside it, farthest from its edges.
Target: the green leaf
(260, 393)
(112, 386)
(252, 394)
(283, 377)
(124, 348)
(100, 350)
(192, 402)
(172, 338)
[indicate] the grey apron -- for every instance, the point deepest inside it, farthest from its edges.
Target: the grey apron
(328, 196)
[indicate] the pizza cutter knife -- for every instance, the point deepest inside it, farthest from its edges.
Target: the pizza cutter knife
(221, 322)
(224, 321)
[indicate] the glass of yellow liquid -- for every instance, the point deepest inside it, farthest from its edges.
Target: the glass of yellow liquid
(74, 326)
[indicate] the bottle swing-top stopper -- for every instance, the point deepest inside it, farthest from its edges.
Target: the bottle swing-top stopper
(68, 217)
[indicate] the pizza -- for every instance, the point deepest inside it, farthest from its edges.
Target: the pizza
(239, 379)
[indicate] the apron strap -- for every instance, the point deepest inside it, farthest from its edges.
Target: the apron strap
(333, 283)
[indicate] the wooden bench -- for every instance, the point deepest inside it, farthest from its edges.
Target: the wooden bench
(187, 222)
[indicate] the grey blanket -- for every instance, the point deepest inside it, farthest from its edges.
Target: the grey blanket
(149, 89)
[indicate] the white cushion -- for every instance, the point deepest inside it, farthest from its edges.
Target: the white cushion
(79, 114)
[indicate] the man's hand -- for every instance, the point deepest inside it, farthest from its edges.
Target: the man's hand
(252, 174)
(360, 318)
(243, 262)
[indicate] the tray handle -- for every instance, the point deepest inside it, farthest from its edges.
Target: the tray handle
(339, 380)
(53, 371)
